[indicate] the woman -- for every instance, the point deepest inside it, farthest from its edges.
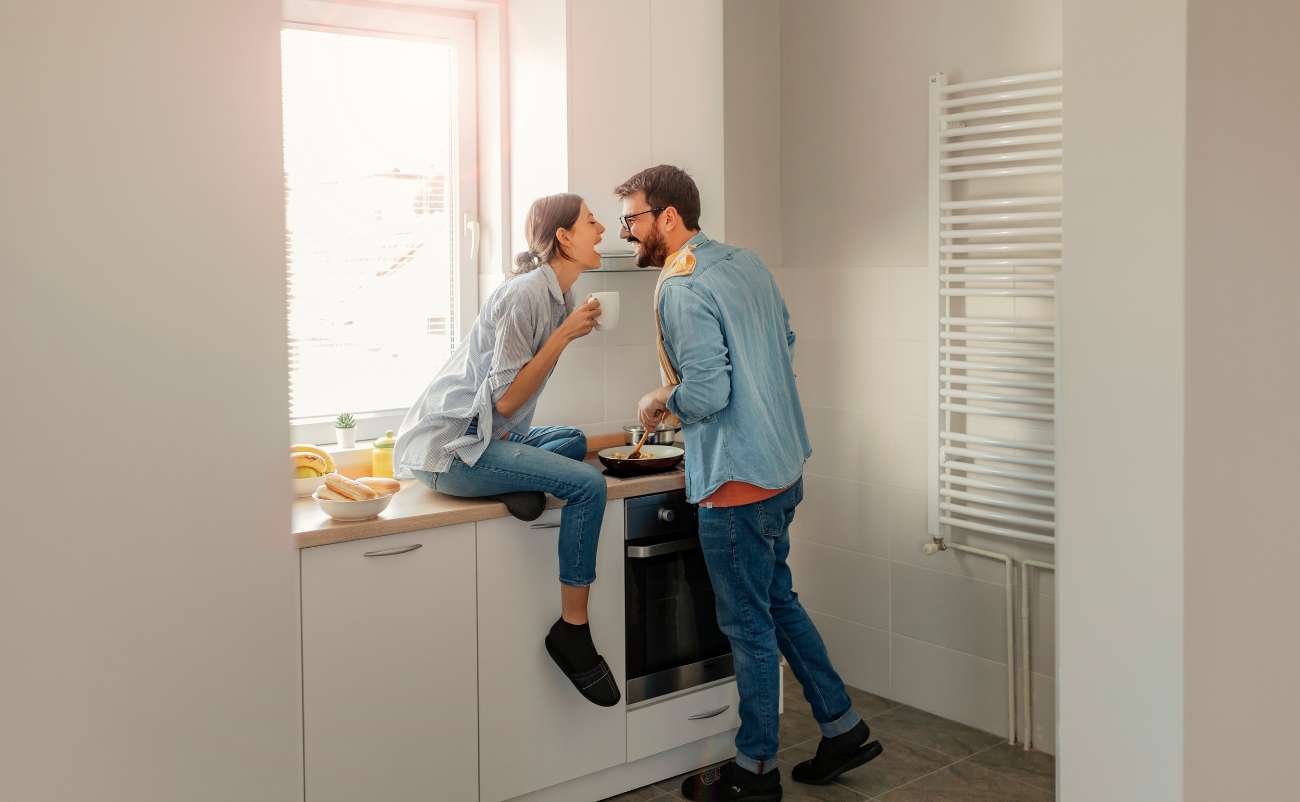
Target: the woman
(470, 433)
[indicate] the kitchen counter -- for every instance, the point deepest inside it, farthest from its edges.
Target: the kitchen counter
(417, 507)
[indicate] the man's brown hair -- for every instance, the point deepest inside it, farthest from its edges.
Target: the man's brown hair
(666, 186)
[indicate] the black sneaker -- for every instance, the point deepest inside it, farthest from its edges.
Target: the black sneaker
(731, 783)
(838, 755)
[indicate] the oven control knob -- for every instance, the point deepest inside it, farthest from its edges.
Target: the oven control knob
(667, 515)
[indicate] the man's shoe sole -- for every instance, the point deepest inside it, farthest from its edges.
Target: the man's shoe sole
(865, 754)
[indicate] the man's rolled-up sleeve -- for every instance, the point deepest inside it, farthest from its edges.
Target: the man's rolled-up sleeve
(698, 349)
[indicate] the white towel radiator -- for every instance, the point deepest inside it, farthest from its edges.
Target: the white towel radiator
(995, 260)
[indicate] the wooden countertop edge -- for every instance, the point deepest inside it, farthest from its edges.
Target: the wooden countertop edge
(425, 509)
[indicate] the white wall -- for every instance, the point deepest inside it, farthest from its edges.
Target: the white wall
(148, 584)
(752, 125)
(539, 145)
(928, 631)
(1121, 457)
(1242, 429)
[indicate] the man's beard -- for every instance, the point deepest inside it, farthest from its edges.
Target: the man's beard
(653, 252)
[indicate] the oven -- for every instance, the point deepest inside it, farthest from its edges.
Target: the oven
(673, 640)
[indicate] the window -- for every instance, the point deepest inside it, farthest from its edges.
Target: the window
(379, 155)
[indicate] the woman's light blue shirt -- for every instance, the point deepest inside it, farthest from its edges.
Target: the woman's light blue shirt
(516, 320)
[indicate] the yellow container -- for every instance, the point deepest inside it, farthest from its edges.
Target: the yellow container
(381, 455)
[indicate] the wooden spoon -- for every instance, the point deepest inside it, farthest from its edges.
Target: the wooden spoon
(644, 436)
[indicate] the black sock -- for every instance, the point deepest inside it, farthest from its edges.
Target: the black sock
(573, 642)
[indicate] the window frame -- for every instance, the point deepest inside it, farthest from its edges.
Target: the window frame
(457, 29)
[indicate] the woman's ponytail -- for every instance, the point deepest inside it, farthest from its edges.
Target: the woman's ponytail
(546, 216)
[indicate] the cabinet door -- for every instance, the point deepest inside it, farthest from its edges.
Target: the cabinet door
(537, 729)
(389, 668)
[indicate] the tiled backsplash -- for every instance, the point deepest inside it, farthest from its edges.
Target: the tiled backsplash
(600, 378)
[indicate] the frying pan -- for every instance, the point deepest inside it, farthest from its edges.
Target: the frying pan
(653, 459)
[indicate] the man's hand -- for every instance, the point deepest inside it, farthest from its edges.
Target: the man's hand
(653, 407)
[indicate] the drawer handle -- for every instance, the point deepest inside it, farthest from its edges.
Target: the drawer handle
(710, 714)
(393, 551)
(544, 526)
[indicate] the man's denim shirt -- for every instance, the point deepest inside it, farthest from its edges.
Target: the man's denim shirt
(727, 332)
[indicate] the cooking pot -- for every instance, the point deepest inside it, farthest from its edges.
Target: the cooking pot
(661, 436)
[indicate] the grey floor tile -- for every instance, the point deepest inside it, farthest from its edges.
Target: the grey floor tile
(966, 782)
(646, 794)
(900, 763)
(930, 731)
(1036, 768)
(798, 726)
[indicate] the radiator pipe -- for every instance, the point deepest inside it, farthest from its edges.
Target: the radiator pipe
(937, 545)
(1027, 680)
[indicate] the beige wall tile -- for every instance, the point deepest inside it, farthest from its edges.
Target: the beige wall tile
(844, 513)
(965, 615)
(631, 371)
(860, 654)
(575, 391)
(842, 583)
(951, 684)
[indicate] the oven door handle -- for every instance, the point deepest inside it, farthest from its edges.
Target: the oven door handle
(671, 547)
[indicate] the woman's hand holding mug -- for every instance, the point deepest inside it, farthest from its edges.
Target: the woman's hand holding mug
(582, 320)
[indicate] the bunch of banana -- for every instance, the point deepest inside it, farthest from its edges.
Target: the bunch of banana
(310, 462)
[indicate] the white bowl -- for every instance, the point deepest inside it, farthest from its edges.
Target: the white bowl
(353, 510)
(306, 487)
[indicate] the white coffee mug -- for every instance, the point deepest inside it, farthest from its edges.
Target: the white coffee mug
(608, 320)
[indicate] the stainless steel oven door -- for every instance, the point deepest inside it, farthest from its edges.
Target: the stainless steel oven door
(673, 640)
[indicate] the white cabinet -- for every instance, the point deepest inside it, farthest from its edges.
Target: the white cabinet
(389, 669)
(536, 729)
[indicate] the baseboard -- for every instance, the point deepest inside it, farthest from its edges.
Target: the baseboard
(619, 779)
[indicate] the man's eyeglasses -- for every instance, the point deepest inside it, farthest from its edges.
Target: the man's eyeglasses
(627, 219)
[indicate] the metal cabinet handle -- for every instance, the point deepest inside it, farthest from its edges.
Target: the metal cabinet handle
(543, 526)
(672, 546)
(393, 551)
(710, 714)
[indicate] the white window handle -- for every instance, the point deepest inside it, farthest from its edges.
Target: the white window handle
(472, 226)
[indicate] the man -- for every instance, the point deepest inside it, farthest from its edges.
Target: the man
(725, 351)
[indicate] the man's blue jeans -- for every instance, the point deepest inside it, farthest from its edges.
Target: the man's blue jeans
(549, 459)
(745, 549)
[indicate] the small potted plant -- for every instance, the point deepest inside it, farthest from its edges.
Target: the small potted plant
(345, 430)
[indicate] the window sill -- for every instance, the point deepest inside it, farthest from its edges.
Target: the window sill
(354, 461)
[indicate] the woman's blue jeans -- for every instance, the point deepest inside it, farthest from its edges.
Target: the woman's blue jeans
(549, 459)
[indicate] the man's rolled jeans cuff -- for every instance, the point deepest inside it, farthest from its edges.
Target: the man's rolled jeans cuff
(840, 725)
(577, 583)
(753, 766)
